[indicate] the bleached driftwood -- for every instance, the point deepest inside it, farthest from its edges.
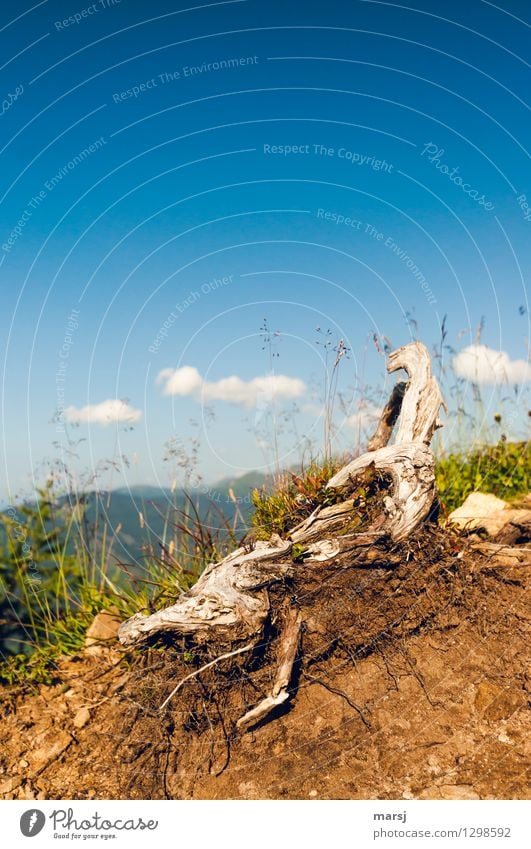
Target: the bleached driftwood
(230, 602)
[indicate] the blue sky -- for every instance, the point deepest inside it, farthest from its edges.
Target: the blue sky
(172, 176)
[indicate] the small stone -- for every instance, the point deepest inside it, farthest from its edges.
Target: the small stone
(503, 738)
(312, 794)
(434, 767)
(81, 718)
(248, 790)
(10, 785)
(457, 791)
(23, 763)
(103, 629)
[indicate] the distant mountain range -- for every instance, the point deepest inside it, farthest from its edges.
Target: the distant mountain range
(240, 486)
(143, 515)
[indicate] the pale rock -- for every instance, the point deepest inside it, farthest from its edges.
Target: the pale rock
(484, 510)
(457, 791)
(504, 738)
(81, 718)
(102, 630)
(9, 785)
(248, 790)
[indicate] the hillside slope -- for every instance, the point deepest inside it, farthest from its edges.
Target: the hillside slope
(431, 704)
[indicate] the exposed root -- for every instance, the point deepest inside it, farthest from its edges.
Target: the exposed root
(230, 599)
(330, 565)
(280, 693)
(343, 695)
(203, 669)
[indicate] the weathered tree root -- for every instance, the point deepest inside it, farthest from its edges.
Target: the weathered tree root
(289, 645)
(203, 668)
(230, 602)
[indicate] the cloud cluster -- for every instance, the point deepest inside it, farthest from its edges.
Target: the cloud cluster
(186, 381)
(481, 364)
(106, 413)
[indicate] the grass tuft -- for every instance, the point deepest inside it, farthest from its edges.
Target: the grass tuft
(503, 469)
(57, 573)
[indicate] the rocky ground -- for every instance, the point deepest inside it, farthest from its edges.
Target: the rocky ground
(436, 709)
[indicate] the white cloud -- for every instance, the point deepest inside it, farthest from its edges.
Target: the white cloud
(246, 393)
(106, 413)
(481, 364)
(180, 381)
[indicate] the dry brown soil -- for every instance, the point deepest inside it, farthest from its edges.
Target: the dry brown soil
(423, 694)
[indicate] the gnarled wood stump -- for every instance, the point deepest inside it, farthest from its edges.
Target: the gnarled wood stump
(230, 602)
